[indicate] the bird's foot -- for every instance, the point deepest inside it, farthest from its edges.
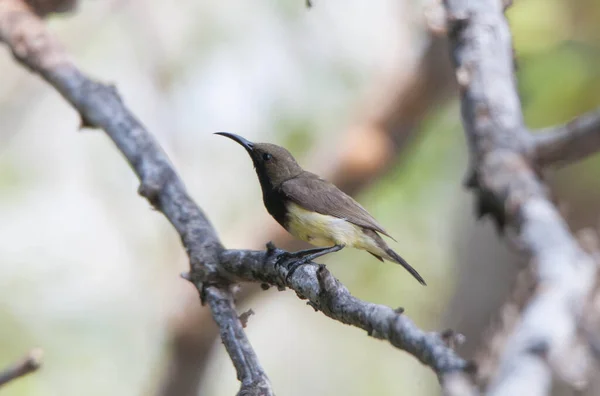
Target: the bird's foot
(302, 257)
(293, 266)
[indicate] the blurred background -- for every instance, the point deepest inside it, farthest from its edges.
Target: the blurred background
(360, 92)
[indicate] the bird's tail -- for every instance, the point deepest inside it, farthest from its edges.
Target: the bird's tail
(395, 257)
(381, 250)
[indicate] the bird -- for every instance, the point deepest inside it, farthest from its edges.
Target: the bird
(313, 209)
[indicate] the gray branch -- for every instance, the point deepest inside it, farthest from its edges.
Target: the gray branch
(571, 142)
(508, 190)
(101, 107)
(212, 268)
(26, 365)
(326, 294)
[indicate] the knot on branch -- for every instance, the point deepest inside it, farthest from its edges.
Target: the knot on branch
(330, 290)
(281, 260)
(104, 93)
(245, 316)
(203, 279)
(327, 282)
(487, 202)
(456, 23)
(154, 180)
(271, 248)
(195, 279)
(452, 338)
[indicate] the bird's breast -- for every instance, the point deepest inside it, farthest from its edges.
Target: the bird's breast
(322, 230)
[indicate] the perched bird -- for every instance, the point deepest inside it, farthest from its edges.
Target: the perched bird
(314, 210)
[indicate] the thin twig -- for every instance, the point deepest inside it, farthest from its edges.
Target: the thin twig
(101, 107)
(26, 365)
(571, 142)
(509, 190)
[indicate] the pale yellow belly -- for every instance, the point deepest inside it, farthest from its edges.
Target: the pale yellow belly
(324, 230)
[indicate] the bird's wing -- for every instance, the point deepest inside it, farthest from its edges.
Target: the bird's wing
(318, 195)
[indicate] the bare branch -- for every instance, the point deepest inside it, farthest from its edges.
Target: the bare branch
(26, 365)
(249, 371)
(101, 107)
(571, 142)
(509, 190)
(326, 294)
(395, 118)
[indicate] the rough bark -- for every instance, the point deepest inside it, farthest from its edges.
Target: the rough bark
(508, 189)
(100, 106)
(212, 268)
(397, 125)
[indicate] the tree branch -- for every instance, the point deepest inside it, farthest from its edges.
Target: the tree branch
(26, 365)
(211, 267)
(249, 371)
(396, 122)
(508, 190)
(326, 294)
(101, 107)
(571, 142)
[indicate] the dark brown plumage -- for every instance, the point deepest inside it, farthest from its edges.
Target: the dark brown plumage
(313, 193)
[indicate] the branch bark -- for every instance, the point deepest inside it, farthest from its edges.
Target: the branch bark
(509, 190)
(397, 123)
(26, 365)
(101, 107)
(212, 268)
(326, 294)
(571, 142)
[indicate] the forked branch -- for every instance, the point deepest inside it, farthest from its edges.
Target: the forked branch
(509, 190)
(212, 268)
(571, 142)
(100, 106)
(326, 294)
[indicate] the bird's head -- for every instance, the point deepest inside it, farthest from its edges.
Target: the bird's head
(273, 163)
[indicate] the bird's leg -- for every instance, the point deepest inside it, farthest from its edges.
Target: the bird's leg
(311, 254)
(306, 256)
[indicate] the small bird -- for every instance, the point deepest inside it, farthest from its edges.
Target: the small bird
(313, 209)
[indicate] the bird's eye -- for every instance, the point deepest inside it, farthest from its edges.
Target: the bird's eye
(267, 156)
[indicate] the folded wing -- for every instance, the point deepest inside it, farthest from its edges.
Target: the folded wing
(318, 195)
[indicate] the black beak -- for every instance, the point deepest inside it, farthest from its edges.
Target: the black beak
(248, 145)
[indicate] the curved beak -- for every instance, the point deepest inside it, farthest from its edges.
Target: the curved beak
(248, 145)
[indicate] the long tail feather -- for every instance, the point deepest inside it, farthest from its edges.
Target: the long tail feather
(377, 257)
(382, 250)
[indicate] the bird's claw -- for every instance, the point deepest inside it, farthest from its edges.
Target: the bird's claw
(302, 257)
(283, 257)
(293, 266)
(291, 263)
